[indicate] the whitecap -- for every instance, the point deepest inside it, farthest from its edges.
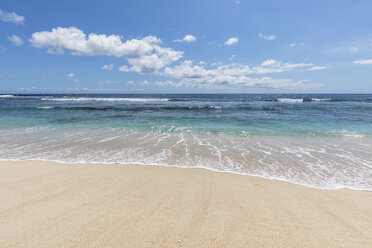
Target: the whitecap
(215, 107)
(290, 100)
(6, 96)
(320, 99)
(45, 107)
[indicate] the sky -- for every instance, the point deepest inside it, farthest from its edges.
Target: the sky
(189, 46)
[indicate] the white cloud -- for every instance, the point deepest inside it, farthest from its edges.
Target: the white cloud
(169, 83)
(109, 67)
(124, 68)
(147, 56)
(106, 82)
(353, 49)
(16, 40)
(187, 70)
(363, 62)
(274, 66)
(296, 44)
(145, 82)
(11, 17)
(187, 38)
(317, 68)
(237, 75)
(227, 82)
(267, 37)
(231, 41)
(237, 1)
(268, 62)
(144, 55)
(70, 75)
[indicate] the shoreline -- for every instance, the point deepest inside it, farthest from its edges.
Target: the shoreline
(181, 167)
(46, 204)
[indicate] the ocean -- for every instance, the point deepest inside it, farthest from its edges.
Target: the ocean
(317, 140)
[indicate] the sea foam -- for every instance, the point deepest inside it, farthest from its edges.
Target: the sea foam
(290, 100)
(320, 99)
(45, 107)
(327, 163)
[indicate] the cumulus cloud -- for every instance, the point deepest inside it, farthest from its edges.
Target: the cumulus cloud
(11, 17)
(363, 62)
(268, 62)
(16, 40)
(187, 38)
(231, 41)
(189, 75)
(124, 68)
(267, 37)
(109, 67)
(144, 55)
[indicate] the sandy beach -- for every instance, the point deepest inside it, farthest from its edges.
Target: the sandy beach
(45, 204)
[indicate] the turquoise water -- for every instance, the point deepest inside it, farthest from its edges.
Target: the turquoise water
(316, 140)
(319, 115)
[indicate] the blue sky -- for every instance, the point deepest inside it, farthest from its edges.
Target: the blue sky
(221, 46)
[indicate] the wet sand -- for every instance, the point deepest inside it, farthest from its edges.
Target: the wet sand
(45, 204)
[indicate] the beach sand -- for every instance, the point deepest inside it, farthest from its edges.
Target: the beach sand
(44, 204)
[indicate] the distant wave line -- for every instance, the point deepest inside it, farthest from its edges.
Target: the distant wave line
(107, 99)
(293, 100)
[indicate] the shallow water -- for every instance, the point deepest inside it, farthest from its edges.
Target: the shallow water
(322, 141)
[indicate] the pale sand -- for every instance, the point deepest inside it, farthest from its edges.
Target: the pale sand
(45, 204)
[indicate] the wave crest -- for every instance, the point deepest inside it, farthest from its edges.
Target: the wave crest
(105, 99)
(290, 100)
